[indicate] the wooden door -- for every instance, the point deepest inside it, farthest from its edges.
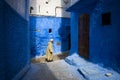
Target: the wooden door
(83, 35)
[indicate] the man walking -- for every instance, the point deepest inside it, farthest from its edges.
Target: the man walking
(49, 51)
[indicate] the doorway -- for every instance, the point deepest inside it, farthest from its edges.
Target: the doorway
(83, 35)
(69, 42)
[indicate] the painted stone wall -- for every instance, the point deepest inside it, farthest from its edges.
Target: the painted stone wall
(74, 33)
(16, 37)
(39, 31)
(19, 6)
(2, 54)
(45, 15)
(74, 1)
(105, 40)
(49, 8)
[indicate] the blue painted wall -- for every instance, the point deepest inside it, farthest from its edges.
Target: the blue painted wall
(17, 42)
(2, 54)
(74, 33)
(39, 31)
(104, 40)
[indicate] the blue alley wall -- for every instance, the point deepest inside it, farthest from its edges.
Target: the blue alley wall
(39, 31)
(74, 33)
(17, 42)
(104, 40)
(2, 54)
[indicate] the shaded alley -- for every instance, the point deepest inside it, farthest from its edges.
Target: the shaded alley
(83, 36)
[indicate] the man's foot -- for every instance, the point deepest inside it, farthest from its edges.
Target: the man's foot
(51, 60)
(47, 60)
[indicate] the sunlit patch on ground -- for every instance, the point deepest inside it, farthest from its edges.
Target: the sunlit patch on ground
(43, 60)
(56, 70)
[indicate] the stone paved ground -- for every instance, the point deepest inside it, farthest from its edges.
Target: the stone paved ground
(91, 71)
(56, 57)
(72, 68)
(56, 70)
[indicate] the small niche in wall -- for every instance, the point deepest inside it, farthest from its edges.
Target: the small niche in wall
(58, 44)
(50, 30)
(31, 8)
(106, 18)
(46, 11)
(46, 2)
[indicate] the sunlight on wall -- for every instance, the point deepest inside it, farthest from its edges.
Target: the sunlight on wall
(45, 15)
(73, 1)
(49, 8)
(19, 6)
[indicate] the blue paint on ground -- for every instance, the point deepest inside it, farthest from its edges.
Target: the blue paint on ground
(91, 71)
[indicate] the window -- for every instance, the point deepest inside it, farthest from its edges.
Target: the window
(106, 18)
(31, 8)
(46, 2)
(50, 30)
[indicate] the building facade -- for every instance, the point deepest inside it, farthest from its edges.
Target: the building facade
(48, 19)
(95, 31)
(14, 37)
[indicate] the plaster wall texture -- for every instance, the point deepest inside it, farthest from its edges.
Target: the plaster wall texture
(49, 8)
(104, 39)
(2, 54)
(39, 31)
(73, 1)
(16, 27)
(20, 6)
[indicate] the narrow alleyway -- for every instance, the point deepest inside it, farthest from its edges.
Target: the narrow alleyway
(56, 70)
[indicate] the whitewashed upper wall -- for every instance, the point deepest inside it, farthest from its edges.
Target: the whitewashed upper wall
(50, 7)
(19, 6)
